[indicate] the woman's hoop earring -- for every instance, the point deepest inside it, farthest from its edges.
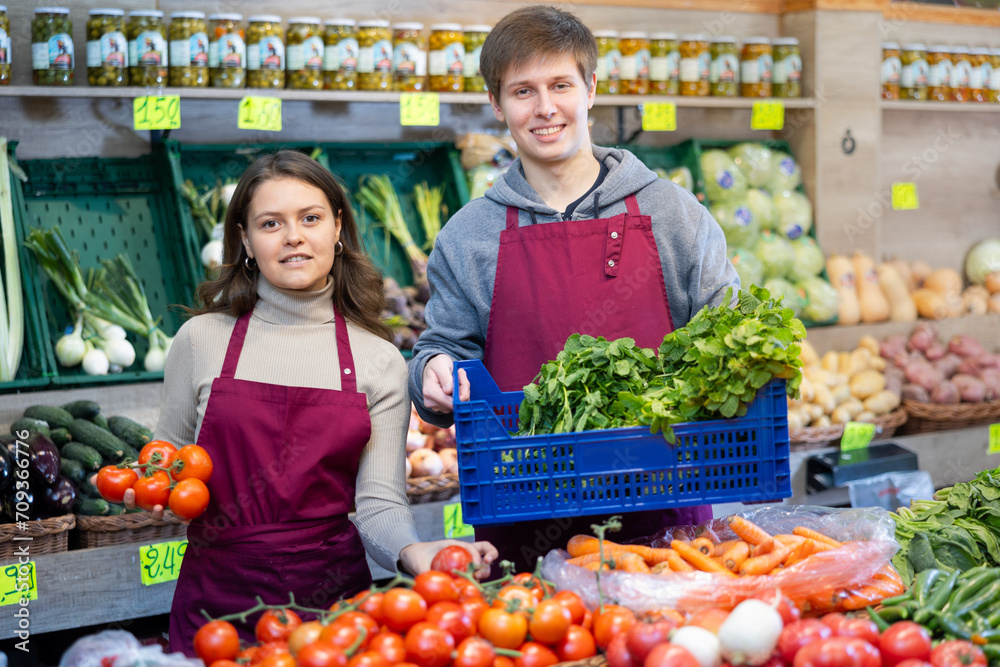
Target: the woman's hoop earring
(246, 263)
(339, 248)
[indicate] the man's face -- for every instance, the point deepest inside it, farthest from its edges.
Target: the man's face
(545, 107)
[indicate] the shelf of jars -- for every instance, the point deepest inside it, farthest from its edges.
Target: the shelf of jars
(960, 107)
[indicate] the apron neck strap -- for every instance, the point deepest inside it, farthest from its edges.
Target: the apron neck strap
(512, 213)
(632, 205)
(235, 346)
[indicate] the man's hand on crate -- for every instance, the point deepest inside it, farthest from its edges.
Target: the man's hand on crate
(439, 386)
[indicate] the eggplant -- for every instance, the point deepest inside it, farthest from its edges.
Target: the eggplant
(6, 469)
(58, 498)
(43, 457)
(11, 500)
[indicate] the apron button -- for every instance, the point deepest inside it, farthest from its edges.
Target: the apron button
(614, 235)
(347, 371)
(611, 262)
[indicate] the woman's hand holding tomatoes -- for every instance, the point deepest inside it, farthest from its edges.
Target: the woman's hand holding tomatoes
(447, 556)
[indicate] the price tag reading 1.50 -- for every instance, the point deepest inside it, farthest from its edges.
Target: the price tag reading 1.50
(260, 113)
(422, 109)
(162, 561)
(156, 113)
(659, 117)
(18, 581)
(768, 115)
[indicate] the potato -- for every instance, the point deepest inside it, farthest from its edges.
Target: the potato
(945, 393)
(824, 399)
(846, 411)
(806, 390)
(845, 364)
(866, 383)
(871, 344)
(865, 416)
(816, 374)
(882, 403)
(820, 422)
(922, 373)
(807, 353)
(829, 361)
(915, 392)
(834, 379)
(876, 364)
(796, 421)
(814, 411)
(840, 393)
(971, 389)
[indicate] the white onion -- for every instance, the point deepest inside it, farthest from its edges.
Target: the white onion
(211, 254)
(95, 362)
(155, 360)
(750, 633)
(70, 349)
(120, 352)
(113, 332)
(702, 643)
(227, 193)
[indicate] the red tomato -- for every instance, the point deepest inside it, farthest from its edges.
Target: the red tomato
(617, 652)
(503, 629)
(904, 640)
(270, 650)
(453, 619)
(912, 662)
(152, 491)
(834, 621)
(538, 588)
(359, 619)
(502, 661)
(550, 622)
(113, 482)
(276, 625)
(368, 659)
(862, 628)
(321, 654)
(642, 637)
(670, 655)
(217, 640)
(401, 608)
(534, 654)
(427, 645)
(306, 633)
(614, 620)
(189, 499)
(158, 452)
(278, 660)
(709, 619)
(799, 633)
(435, 586)
(475, 608)
(474, 652)
(515, 596)
(344, 636)
(225, 663)
(195, 462)
(451, 558)
(838, 652)
(957, 653)
(390, 645)
(578, 644)
(371, 604)
(572, 601)
(789, 612)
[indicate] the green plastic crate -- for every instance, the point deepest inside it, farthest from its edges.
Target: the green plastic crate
(406, 164)
(106, 206)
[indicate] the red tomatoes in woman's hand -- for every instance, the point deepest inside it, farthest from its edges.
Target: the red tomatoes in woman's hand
(152, 491)
(451, 558)
(195, 462)
(189, 498)
(113, 482)
(158, 452)
(277, 625)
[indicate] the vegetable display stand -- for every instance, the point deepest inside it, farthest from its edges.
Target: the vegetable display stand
(505, 478)
(929, 417)
(105, 207)
(815, 437)
(406, 165)
(109, 531)
(431, 489)
(48, 536)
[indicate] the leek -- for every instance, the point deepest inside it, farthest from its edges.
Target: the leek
(379, 197)
(428, 203)
(11, 304)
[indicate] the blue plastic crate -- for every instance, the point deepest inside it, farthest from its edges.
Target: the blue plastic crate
(505, 478)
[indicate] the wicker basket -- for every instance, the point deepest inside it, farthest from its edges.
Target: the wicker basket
(815, 437)
(48, 536)
(889, 423)
(929, 417)
(596, 661)
(107, 531)
(431, 489)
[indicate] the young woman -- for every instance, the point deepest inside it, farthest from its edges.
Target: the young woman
(286, 377)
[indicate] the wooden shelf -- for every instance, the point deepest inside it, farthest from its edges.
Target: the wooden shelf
(959, 107)
(842, 338)
(699, 102)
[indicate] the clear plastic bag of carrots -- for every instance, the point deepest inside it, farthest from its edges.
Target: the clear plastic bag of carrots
(824, 559)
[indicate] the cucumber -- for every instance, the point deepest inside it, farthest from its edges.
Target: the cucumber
(82, 409)
(88, 457)
(60, 436)
(132, 433)
(87, 489)
(106, 443)
(30, 425)
(50, 414)
(93, 506)
(130, 453)
(116, 509)
(101, 421)
(72, 469)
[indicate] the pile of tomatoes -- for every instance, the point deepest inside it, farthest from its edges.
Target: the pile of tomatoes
(164, 476)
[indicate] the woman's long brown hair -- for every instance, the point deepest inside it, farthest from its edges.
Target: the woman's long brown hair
(357, 283)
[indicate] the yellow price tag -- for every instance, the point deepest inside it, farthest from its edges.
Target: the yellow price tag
(161, 562)
(420, 109)
(857, 435)
(994, 446)
(659, 117)
(156, 112)
(769, 115)
(18, 581)
(260, 113)
(453, 525)
(904, 197)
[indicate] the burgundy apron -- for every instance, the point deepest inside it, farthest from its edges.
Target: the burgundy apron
(599, 277)
(286, 460)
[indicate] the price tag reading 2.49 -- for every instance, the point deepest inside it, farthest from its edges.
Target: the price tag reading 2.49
(161, 562)
(260, 113)
(156, 113)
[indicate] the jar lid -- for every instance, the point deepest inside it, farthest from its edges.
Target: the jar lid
(187, 15)
(107, 12)
(694, 38)
(979, 51)
(52, 10)
(374, 23)
(995, 52)
(606, 33)
(304, 19)
(225, 17)
(407, 26)
(152, 13)
(939, 48)
(663, 35)
(959, 49)
(756, 40)
(3, 8)
(890, 46)
(724, 39)
(916, 46)
(264, 18)
(634, 34)
(785, 41)
(446, 27)
(350, 22)
(477, 28)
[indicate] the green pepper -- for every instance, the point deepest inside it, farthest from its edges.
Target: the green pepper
(992, 652)
(937, 599)
(905, 597)
(888, 615)
(974, 571)
(923, 583)
(971, 587)
(991, 636)
(994, 619)
(974, 603)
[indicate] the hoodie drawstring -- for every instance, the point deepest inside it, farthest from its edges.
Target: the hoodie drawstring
(534, 220)
(597, 206)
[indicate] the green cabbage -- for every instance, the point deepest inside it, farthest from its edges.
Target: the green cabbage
(982, 260)
(762, 207)
(794, 214)
(738, 223)
(821, 301)
(791, 298)
(723, 181)
(754, 160)
(776, 254)
(785, 173)
(748, 266)
(809, 259)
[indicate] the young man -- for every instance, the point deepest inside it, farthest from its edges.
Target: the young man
(573, 238)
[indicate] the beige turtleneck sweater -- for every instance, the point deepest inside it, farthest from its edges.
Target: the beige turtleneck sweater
(291, 340)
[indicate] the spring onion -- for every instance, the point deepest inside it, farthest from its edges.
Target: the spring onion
(380, 199)
(71, 348)
(11, 304)
(428, 203)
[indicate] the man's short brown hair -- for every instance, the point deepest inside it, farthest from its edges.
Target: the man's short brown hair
(530, 33)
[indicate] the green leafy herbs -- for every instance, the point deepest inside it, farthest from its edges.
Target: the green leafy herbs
(708, 369)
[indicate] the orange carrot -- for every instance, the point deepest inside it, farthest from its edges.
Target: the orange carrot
(871, 593)
(799, 553)
(699, 560)
(816, 536)
(678, 564)
(765, 563)
(662, 568)
(579, 545)
(722, 547)
(791, 540)
(587, 558)
(752, 534)
(704, 545)
(735, 556)
(593, 567)
(631, 562)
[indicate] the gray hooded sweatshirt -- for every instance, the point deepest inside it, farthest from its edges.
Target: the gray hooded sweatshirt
(463, 264)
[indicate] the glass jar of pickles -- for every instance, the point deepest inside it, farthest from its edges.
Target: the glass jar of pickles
(609, 61)
(227, 52)
(787, 79)
(664, 63)
(994, 84)
(473, 37)
(939, 73)
(52, 47)
(634, 47)
(756, 67)
(913, 76)
(409, 57)
(696, 63)
(891, 68)
(265, 52)
(188, 50)
(107, 48)
(961, 69)
(979, 76)
(446, 62)
(723, 77)
(147, 48)
(340, 57)
(305, 53)
(4, 46)
(374, 55)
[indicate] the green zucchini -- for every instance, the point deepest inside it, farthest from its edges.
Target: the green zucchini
(99, 420)
(130, 453)
(131, 432)
(93, 506)
(72, 469)
(60, 436)
(30, 425)
(106, 443)
(82, 409)
(116, 509)
(50, 414)
(88, 457)
(88, 489)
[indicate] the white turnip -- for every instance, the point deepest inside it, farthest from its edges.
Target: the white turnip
(750, 633)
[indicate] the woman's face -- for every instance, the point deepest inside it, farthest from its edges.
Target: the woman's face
(291, 232)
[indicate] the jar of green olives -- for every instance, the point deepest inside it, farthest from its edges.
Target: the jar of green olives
(305, 53)
(188, 50)
(147, 48)
(409, 57)
(374, 55)
(474, 37)
(265, 52)
(724, 72)
(664, 64)
(107, 48)
(340, 59)
(52, 47)
(446, 61)
(609, 61)
(227, 53)
(4, 46)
